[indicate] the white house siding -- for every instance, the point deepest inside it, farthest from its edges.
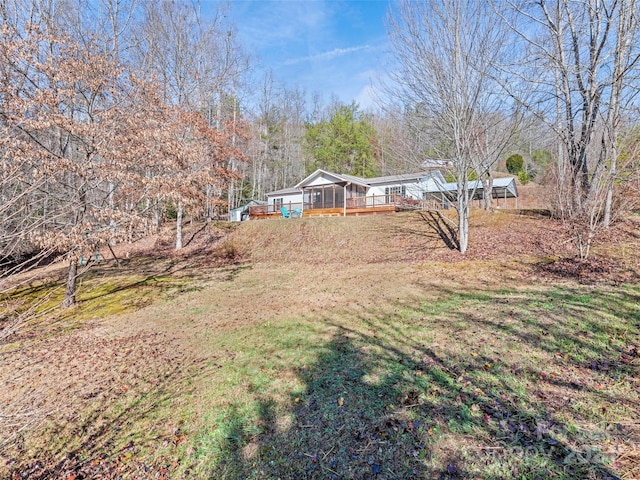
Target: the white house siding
(414, 188)
(286, 198)
(411, 189)
(322, 179)
(235, 215)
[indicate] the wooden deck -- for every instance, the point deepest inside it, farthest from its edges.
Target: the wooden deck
(332, 212)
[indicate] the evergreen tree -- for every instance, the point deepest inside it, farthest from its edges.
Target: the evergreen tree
(343, 144)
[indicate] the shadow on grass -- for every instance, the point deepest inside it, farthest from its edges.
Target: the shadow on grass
(442, 228)
(382, 401)
(343, 426)
(427, 230)
(106, 439)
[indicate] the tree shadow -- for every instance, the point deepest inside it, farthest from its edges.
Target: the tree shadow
(104, 439)
(438, 229)
(442, 228)
(344, 425)
(380, 403)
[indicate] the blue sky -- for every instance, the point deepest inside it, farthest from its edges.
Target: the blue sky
(326, 46)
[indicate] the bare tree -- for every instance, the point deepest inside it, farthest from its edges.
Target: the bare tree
(445, 53)
(199, 65)
(579, 77)
(276, 145)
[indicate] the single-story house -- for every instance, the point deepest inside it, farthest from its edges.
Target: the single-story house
(323, 190)
(331, 193)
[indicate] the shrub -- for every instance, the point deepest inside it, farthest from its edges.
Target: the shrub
(524, 177)
(170, 211)
(230, 250)
(515, 164)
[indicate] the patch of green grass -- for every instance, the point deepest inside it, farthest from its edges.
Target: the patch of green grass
(357, 401)
(100, 298)
(96, 297)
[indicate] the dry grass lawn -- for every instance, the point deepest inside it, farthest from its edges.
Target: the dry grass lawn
(356, 347)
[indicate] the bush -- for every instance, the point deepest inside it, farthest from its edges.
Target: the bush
(230, 250)
(515, 164)
(524, 177)
(170, 211)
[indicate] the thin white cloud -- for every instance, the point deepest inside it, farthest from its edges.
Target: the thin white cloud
(329, 55)
(274, 24)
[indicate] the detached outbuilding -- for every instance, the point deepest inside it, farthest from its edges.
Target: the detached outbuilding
(447, 194)
(241, 214)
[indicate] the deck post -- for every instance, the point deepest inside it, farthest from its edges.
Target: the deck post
(344, 200)
(302, 202)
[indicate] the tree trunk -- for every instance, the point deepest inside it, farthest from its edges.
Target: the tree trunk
(487, 192)
(112, 222)
(608, 203)
(179, 226)
(157, 215)
(463, 222)
(70, 292)
(207, 208)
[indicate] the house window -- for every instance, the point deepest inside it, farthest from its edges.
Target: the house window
(394, 194)
(399, 190)
(278, 201)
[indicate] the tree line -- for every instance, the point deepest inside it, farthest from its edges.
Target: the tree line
(113, 115)
(473, 83)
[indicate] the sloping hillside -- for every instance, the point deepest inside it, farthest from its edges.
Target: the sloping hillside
(401, 237)
(500, 236)
(356, 348)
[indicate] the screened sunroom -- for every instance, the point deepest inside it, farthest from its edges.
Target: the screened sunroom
(331, 195)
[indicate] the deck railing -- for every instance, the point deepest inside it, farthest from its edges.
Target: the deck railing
(371, 201)
(273, 208)
(360, 202)
(352, 203)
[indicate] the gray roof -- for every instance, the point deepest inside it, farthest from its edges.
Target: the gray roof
(340, 176)
(436, 162)
(370, 181)
(354, 179)
(399, 178)
(248, 204)
(502, 187)
(284, 191)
